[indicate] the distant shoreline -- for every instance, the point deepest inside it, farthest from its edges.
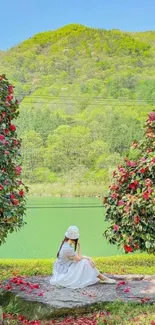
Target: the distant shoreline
(68, 190)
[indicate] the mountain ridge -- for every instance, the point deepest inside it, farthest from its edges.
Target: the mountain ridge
(84, 95)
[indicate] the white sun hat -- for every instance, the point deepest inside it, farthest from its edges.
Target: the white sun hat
(72, 233)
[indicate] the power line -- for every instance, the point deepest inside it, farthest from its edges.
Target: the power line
(65, 207)
(89, 97)
(78, 103)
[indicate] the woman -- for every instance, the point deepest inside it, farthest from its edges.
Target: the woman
(71, 269)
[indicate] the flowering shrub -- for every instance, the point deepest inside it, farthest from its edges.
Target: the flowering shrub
(12, 190)
(130, 204)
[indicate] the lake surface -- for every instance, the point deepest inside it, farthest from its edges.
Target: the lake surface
(47, 220)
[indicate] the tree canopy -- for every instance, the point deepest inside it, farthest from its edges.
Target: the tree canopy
(12, 189)
(130, 204)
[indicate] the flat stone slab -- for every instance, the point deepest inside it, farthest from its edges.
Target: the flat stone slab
(37, 299)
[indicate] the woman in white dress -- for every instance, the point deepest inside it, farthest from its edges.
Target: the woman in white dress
(73, 270)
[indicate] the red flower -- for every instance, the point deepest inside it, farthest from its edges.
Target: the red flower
(146, 195)
(131, 163)
(10, 89)
(123, 283)
(134, 185)
(12, 127)
(7, 104)
(6, 131)
(114, 187)
(1, 187)
(6, 152)
(152, 116)
(150, 190)
(120, 202)
(136, 219)
(21, 192)
(143, 170)
(128, 249)
(15, 202)
(3, 114)
(18, 170)
(127, 290)
(15, 142)
(9, 98)
(114, 196)
(12, 196)
(116, 227)
(152, 322)
(22, 289)
(153, 160)
(122, 170)
(2, 137)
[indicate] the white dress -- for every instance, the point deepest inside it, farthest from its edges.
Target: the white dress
(71, 274)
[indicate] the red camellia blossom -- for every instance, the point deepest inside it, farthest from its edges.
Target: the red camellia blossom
(2, 137)
(136, 219)
(134, 185)
(114, 187)
(12, 127)
(9, 98)
(128, 249)
(114, 196)
(10, 89)
(18, 170)
(120, 202)
(3, 114)
(152, 116)
(116, 227)
(146, 195)
(131, 163)
(6, 131)
(143, 170)
(15, 201)
(153, 160)
(12, 196)
(21, 192)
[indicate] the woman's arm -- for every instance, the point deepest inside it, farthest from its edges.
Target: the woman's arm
(79, 256)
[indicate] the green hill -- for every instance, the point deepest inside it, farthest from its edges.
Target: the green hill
(85, 94)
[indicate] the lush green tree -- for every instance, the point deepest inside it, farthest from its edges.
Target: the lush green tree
(67, 148)
(80, 77)
(130, 204)
(12, 189)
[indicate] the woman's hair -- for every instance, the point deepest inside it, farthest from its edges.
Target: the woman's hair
(65, 240)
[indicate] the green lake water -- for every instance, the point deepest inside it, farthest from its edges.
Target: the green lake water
(47, 220)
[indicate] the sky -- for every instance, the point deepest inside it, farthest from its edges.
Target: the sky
(22, 19)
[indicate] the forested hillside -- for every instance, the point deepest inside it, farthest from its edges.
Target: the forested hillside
(85, 94)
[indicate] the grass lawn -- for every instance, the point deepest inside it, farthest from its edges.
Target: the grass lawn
(117, 313)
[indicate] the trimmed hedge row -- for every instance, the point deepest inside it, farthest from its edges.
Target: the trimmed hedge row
(133, 264)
